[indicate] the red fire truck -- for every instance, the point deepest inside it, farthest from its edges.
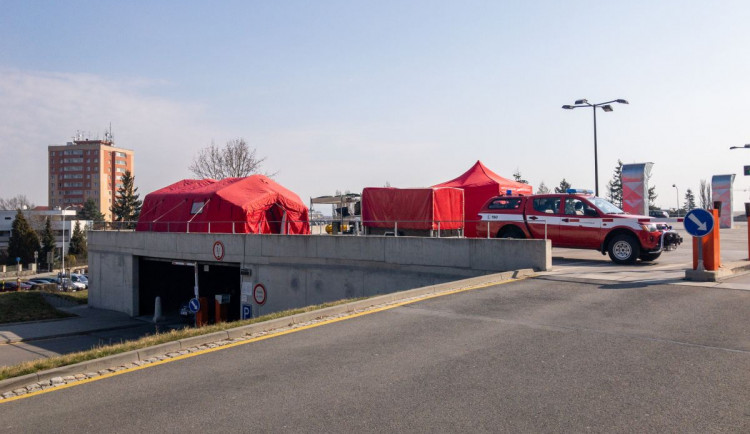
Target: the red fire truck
(577, 219)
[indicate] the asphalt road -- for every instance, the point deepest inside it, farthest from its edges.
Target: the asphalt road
(528, 356)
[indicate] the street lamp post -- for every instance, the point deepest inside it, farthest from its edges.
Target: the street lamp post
(607, 108)
(63, 245)
(677, 207)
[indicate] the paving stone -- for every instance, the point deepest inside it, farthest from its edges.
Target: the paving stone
(46, 386)
(8, 395)
(80, 376)
(92, 374)
(69, 378)
(20, 392)
(183, 352)
(103, 371)
(173, 354)
(56, 380)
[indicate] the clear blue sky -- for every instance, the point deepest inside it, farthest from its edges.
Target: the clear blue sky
(349, 94)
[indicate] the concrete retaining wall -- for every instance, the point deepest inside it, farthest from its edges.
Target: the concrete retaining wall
(301, 270)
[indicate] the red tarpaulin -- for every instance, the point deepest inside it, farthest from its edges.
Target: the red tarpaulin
(413, 208)
(479, 184)
(255, 204)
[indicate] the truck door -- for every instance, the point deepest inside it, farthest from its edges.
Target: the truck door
(580, 225)
(544, 217)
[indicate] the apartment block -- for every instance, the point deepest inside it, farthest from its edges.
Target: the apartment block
(84, 169)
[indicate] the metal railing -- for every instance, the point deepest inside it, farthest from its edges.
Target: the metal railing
(327, 226)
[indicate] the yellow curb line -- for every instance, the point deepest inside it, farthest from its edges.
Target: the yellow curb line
(251, 340)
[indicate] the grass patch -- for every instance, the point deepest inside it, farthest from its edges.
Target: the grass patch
(79, 297)
(148, 341)
(26, 306)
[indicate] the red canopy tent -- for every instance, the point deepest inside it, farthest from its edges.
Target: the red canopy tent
(413, 208)
(254, 204)
(479, 184)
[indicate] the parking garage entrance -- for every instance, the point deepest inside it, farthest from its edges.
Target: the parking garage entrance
(175, 285)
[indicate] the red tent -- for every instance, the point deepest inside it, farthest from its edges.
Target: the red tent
(413, 208)
(479, 184)
(255, 204)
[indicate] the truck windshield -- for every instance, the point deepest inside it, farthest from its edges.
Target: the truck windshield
(605, 206)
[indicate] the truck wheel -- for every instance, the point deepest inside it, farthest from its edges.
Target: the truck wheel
(624, 249)
(512, 232)
(648, 257)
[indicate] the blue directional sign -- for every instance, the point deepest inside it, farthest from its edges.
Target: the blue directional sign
(699, 222)
(247, 311)
(194, 305)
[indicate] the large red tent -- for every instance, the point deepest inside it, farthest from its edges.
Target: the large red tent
(254, 204)
(479, 184)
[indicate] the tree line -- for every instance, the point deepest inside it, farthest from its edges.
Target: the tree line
(614, 191)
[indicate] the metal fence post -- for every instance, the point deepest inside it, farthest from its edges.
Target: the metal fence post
(488, 230)
(438, 229)
(395, 229)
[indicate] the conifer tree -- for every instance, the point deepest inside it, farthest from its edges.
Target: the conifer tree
(543, 189)
(614, 186)
(90, 211)
(48, 243)
(564, 186)
(127, 206)
(689, 200)
(78, 245)
(23, 241)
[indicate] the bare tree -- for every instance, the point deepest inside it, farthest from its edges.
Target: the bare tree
(705, 195)
(17, 202)
(235, 160)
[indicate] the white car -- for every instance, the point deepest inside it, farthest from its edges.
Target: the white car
(79, 281)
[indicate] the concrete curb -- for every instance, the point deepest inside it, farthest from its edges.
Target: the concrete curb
(265, 326)
(727, 270)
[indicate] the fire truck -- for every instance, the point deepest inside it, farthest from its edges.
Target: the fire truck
(577, 219)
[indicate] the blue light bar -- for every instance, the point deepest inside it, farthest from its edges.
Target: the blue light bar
(579, 191)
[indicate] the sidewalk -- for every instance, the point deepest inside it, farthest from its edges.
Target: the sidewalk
(88, 320)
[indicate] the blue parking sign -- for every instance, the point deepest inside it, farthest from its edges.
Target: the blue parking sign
(247, 311)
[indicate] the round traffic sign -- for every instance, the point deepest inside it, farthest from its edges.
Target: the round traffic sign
(259, 294)
(699, 222)
(218, 250)
(194, 305)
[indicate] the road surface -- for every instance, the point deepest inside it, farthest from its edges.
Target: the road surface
(528, 356)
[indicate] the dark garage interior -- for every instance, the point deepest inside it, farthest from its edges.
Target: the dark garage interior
(174, 284)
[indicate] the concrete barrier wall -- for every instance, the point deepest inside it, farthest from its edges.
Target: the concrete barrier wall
(302, 270)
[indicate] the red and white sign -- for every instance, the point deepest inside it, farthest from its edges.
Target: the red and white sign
(218, 250)
(259, 294)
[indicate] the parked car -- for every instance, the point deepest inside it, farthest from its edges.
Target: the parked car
(658, 214)
(79, 278)
(11, 285)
